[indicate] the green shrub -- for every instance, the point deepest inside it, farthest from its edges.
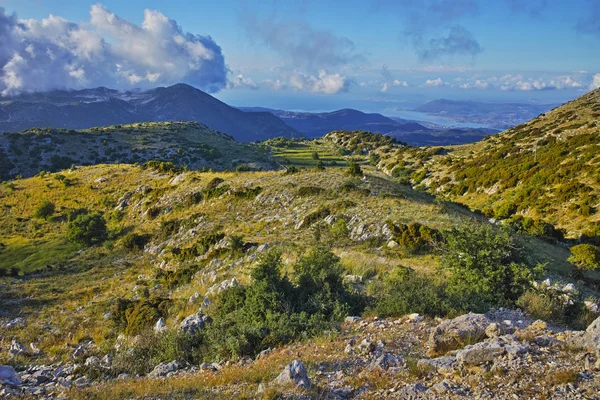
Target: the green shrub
(415, 238)
(133, 241)
(87, 229)
(487, 266)
(274, 310)
(306, 191)
(506, 210)
(585, 257)
(354, 169)
(403, 291)
(133, 317)
(45, 210)
(551, 306)
(291, 170)
(214, 183)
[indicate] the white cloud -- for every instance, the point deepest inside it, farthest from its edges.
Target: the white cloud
(323, 83)
(399, 83)
(241, 82)
(38, 55)
(595, 82)
(477, 84)
(384, 88)
(435, 83)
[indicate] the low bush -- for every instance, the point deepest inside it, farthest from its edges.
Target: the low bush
(133, 317)
(415, 238)
(585, 257)
(87, 229)
(45, 210)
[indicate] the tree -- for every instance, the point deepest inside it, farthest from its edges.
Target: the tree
(45, 210)
(487, 266)
(315, 155)
(585, 257)
(354, 169)
(87, 229)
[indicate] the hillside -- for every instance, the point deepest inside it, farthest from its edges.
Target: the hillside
(494, 115)
(315, 125)
(546, 169)
(187, 144)
(82, 109)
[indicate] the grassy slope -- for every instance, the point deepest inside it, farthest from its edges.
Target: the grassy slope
(184, 143)
(549, 168)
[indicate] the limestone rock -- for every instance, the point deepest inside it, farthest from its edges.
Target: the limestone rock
(456, 333)
(295, 374)
(592, 336)
(446, 365)
(194, 323)
(163, 369)
(387, 361)
(480, 353)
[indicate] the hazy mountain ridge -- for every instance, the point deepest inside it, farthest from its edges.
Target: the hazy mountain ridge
(314, 125)
(82, 109)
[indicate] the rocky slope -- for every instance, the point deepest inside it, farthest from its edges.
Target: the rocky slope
(499, 355)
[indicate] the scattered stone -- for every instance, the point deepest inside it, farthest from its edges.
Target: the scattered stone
(92, 361)
(16, 348)
(8, 374)
(351, 320)
(445, 365)
(412, 392)
(415, 317)
(479, 353)
(366, 346)
(263, 354)
(387, 361)
(592, 336)
(392, 244)
(295, 374)
(160, 326)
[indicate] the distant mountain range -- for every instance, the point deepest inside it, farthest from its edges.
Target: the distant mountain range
(83, 109)
(414, 133)
(495, 115)
(88, 108)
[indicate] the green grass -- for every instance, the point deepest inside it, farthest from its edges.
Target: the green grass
(29, 255)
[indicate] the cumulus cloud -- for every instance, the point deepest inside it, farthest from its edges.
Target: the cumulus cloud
(477, 84)
(595, 82)
(38, 55)
(242, 82)
(399, 83)
(438, 82)
(322, 83)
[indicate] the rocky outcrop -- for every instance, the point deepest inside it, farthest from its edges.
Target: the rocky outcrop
(592, 337)
(194, 323)
(456, 333)
(293, 374)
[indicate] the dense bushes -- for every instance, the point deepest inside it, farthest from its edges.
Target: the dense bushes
(87, 229)
(414, 238)
(487, 266)
(133, 317)
(274, 310)
(585, 257)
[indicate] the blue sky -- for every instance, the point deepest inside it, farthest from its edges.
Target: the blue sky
(313, 55)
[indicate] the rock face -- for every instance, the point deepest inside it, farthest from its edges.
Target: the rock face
(8, 374)
(194, 323)
(456, 333)
(592, 336)
(294, 374)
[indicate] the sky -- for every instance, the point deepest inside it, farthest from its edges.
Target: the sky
(375, 55)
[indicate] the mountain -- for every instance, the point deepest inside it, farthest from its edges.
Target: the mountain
(87, 108)
(494, 115)
(547, 169)
(188, 144)
(314, 125)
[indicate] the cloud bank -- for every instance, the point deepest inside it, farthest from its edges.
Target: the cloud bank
(107, 51)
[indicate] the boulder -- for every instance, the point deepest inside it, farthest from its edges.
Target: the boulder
(8, 374)
(163, 369)
(592, 337)
(294, 374)
(456, 333)
(194, 323)
(480, 353)
(92, 361)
